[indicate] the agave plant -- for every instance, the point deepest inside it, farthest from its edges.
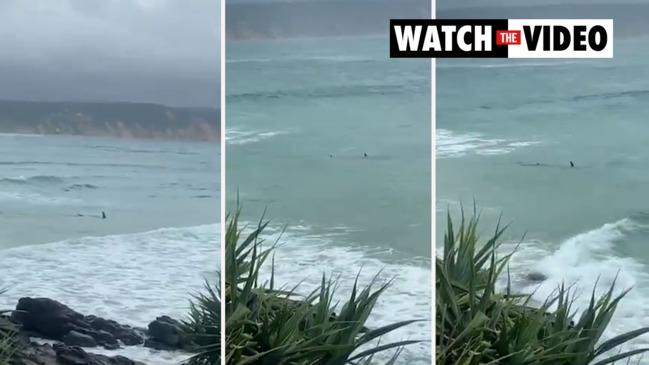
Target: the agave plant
(270, 325)
(478, 324)
(203, 327)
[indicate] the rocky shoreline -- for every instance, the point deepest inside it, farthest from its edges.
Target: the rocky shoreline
(73, 335)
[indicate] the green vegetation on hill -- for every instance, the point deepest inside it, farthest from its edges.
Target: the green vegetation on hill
(124, 120)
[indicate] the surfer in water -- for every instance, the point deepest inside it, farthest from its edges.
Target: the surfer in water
(103, 215)
(364, 154)
(572, 164)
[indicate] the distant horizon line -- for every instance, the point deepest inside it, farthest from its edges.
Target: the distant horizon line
(85, 101)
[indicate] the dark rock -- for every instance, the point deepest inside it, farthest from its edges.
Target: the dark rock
(74, 338)
(107, 340)
(167, 330)
(99, 323)
(535, 276)
(166, 333)
(69, 355)
(47, 317)
(156, 345)
(35, 354)
(111, 346)
(32, 353)
(129, 336)
(50, 319)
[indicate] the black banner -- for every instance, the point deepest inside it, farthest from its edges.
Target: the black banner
(461, 33)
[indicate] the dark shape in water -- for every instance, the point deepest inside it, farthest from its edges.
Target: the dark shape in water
(530, 164)
(572, 164)
(536, 276)
(364, 154)
(79, 187)
(103, 215)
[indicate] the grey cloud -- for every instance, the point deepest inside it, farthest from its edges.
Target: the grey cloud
(164, 51)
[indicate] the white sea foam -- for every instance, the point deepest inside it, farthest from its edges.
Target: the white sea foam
(239, 136)
(21, 135)
(452, 144)
(444, 65)
(585, 260)
(37, 199)
(303, 257)
(135, 277)
(131, 278)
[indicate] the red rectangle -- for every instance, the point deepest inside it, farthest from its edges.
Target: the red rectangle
(507, 37)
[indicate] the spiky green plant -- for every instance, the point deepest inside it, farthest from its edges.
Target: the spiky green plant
(478, 324)
(270, 325)
(203, 327)
(8, 345)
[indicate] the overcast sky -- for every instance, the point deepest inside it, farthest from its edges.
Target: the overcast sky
(162, 51)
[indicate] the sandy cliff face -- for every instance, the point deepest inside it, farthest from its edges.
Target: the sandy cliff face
(123, 120)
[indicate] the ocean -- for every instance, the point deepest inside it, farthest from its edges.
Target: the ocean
(155, 249)
(506, 133)
(301, 115)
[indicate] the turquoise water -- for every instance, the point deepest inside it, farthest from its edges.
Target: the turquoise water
(301, 114)
(158, 244)
(55, 187)
(497, 120)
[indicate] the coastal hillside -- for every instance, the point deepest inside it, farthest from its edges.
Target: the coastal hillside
(123, 120)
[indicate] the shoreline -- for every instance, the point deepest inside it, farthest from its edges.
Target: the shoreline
(125, 285)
